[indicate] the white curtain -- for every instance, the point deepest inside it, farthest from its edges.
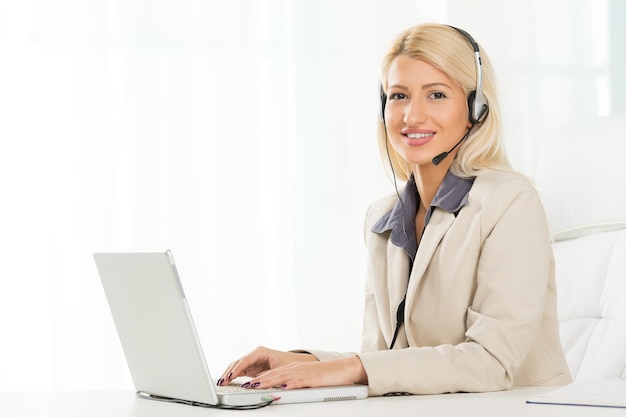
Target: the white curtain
(240, 135)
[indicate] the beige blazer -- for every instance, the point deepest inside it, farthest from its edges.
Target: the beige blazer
(481, 300)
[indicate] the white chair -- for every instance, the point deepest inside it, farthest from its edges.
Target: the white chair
(582, 179)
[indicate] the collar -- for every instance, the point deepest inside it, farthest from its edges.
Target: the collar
(451, 196)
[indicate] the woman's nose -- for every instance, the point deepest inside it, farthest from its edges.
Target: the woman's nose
(413, 113)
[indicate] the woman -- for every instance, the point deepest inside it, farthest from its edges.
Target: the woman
(460, 293)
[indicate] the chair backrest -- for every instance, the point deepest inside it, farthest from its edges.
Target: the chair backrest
(582, 180)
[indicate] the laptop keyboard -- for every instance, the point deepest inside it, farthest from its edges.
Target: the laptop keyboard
(235, 387)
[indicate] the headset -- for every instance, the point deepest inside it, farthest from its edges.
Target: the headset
(477, 102)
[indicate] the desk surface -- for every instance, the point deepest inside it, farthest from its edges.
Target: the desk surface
(125, 404)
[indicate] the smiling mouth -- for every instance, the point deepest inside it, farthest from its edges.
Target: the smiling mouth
(419, 135)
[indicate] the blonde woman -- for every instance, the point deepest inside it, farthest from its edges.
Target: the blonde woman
(460, 292)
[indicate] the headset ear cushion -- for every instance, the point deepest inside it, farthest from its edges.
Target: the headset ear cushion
(383, 102)
(477, 107)
(470, 107)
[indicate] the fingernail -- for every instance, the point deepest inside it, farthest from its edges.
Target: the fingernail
(230, 375)
(283, 386)
(256, 384)
(245, 384)
(219, 381)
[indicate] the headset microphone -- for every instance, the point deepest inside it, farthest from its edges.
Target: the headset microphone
(443, 155)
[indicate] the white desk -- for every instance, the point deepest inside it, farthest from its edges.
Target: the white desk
(125, 404)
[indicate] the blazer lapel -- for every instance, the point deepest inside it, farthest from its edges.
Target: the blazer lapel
(438, 225)
(397, 266)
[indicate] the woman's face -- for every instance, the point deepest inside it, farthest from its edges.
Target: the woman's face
(426, 112)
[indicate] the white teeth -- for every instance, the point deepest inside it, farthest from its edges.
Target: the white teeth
(419, 135)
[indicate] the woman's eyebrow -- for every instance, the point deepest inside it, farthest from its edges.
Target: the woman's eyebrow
(436, 84)
(400, 86)
(424, 87)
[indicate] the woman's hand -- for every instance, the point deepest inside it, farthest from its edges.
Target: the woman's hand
(260, 360)
(270, 368)
(345, 371)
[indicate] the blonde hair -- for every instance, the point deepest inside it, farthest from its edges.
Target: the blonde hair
(445, 48)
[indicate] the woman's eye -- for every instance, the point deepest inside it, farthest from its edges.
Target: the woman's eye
(397, 96)
(437, 95)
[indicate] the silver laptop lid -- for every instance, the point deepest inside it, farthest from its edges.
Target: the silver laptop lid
(154, 325)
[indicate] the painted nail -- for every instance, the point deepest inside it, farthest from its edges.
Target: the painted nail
(256, 384)
(282, 386)
(230, 376)
(245, 384)
(219, 381)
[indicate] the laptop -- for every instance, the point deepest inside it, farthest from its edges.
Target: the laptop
(160, 343)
